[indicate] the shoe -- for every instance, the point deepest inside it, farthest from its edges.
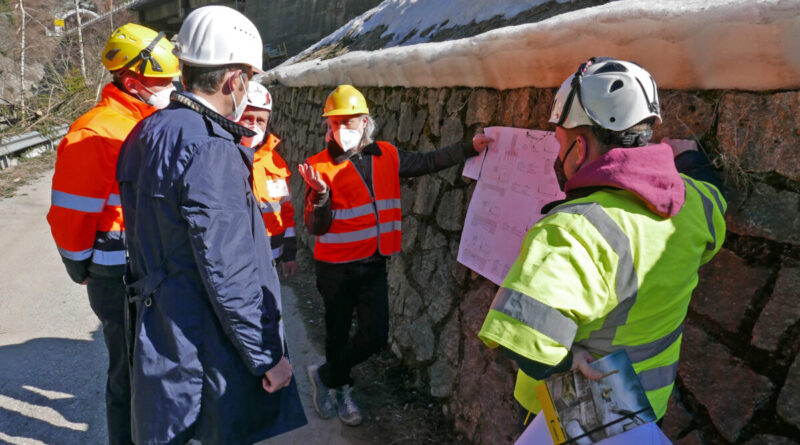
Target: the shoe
(349, 413)
(321, 395)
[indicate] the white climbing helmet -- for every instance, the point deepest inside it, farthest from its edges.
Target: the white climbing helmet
(607, 93)
(219, 35)
(258, 96)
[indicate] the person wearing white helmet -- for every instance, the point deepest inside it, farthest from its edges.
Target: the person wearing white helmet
(209, 359)
(614, 264)
(270, 178)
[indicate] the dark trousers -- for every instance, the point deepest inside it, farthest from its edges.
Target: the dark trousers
(345, 288)
(107, 299)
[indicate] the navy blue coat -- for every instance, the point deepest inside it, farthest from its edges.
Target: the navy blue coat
(207, 325)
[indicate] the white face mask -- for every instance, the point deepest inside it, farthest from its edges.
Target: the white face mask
(160, 98)
(348, 139)
(256, 140)
(238, 107)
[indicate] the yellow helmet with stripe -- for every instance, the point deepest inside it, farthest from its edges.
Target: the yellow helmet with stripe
(141, 50)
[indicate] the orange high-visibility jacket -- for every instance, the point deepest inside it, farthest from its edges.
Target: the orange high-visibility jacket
(271, 188)
(85, 215)
(361, 223)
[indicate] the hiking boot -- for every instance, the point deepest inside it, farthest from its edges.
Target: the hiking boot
(321, 395)
(349, 413)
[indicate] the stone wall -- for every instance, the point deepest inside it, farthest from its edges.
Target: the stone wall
(739, 379)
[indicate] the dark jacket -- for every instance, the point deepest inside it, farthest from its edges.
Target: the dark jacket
(317, 211)
(208, 318)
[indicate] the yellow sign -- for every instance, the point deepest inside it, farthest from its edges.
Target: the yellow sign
(58, 22)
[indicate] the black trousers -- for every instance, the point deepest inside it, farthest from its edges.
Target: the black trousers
(359, 287)
(107, 299)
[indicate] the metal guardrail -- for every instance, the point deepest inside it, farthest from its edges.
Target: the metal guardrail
(10, 146)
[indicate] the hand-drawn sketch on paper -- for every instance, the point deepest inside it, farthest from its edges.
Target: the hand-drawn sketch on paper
(515, 180)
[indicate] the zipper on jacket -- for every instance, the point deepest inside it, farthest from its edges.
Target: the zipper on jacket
(371, 192)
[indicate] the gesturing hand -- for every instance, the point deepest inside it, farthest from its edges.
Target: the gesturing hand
(278, 377)
(312, 178)
(289, 268)
(580, 361)
(480, 141)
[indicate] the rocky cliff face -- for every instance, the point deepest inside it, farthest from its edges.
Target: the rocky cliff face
(739, 379)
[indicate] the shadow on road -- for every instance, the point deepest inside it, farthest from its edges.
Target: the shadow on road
(52, 391)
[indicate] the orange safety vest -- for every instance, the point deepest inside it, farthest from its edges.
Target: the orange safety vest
(361, 223)
(271, 187)
(85, 214)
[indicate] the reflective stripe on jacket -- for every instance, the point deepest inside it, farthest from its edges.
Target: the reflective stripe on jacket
(361, 223)
(85, 215)
(269, 170)
(606, 273)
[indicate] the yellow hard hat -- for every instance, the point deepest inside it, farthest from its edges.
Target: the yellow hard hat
(345, 100)
(141, 50)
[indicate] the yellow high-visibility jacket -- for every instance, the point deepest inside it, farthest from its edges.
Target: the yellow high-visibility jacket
(606, 272)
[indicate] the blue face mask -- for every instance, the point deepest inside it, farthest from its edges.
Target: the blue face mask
(558, 167)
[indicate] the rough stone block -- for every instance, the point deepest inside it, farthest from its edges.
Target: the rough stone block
(433, 239)
(766, 213)
(422, 338)
(405, 125)
(439, 293)
(451, 175)
(789, 399)
(730, 391)
(726, 288)
(425, 145)
(485, 379)
(427, 190)
(410, 227)
(684, 116)
(457, 101)
(452, 131)
(781, 312)
(760, 131)
(388, 130)
(450, 340)
(436, 100)
(481, 106)
(693, 438)
(394, 99)
(450, 214)
(407, 195)
(540, 103)
(677, 419)
(442, 375)
(424, 263)
(419, 124)
(769, 439)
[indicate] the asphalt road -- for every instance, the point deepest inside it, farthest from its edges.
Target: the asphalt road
(52, 356)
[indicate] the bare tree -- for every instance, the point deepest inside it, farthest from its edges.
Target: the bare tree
(80, 38)
(22, 55)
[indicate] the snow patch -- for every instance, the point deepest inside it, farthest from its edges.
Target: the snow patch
(685, 44)
(404, 17)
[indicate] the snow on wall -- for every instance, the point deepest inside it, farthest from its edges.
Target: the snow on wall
(403, 17)
(685, 44)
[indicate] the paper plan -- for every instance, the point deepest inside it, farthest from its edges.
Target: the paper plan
(516, 180)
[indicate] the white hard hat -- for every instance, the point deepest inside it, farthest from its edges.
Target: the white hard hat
(258, 96)
(607, 93)
(219, 35)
